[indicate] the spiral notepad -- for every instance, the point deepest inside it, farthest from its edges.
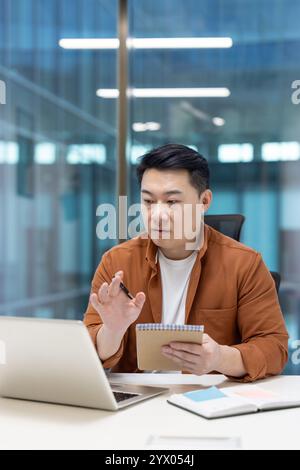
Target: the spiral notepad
(150, 337)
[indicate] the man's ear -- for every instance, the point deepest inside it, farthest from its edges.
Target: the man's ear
(206, 199)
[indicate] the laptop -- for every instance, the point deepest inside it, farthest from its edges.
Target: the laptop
(55, 361)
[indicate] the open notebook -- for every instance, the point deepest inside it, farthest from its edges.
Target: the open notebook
(242, 399)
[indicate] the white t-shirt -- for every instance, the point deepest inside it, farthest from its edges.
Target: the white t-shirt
(175, 276)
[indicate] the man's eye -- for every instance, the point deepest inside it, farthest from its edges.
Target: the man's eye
(172, 202)
(148, 201)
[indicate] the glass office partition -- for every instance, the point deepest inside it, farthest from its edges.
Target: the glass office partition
(232, 99)
(57, 152)
(219, 75)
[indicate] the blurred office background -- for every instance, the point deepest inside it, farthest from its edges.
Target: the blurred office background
(58, 134)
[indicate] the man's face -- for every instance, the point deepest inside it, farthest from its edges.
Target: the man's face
(172, 207)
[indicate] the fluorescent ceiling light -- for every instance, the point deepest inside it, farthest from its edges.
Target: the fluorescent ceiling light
(86, 154)
(179, 43)
(44, 153)
(280, 151)
(233, 153)
(147, 43)
(9, 152)
(139, 127)
(146, 126)
(137, 151)
(86, 43)
(167, 92)
(153, 126)
(179, 92)
(218, 121)
(107, 93)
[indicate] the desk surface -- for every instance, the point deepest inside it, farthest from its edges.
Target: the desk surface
(32, 425)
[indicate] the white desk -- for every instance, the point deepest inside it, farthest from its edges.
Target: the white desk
(31, 425)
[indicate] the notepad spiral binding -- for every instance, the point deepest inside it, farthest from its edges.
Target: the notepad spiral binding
(168, 327)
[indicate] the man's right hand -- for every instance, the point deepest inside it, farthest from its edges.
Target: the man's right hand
(116, 310)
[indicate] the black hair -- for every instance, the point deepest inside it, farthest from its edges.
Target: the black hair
(177, 156)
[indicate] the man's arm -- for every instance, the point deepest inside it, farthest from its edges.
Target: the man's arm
(263, 350)
(231, 362)
(108, 342)
(110, 313)
(264, 345)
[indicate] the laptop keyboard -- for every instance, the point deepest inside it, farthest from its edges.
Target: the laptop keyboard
(120, 396)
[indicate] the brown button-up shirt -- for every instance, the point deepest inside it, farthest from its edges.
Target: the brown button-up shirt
(231, 292)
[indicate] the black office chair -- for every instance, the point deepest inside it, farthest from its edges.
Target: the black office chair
(228, 224)
(231, 225)
(277, 278)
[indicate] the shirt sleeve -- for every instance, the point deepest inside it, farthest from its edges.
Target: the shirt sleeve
(92, 319)
(264, 345)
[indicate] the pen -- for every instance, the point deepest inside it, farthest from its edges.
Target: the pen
(124, 289)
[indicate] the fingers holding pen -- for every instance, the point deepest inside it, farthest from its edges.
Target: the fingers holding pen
(114, 287)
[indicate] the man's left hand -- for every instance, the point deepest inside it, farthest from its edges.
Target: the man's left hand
(195, 358)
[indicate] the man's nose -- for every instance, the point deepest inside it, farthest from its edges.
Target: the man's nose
(160, 212)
